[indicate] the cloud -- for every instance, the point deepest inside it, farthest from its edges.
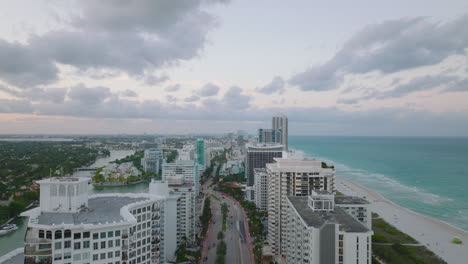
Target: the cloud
(192, 98)
(388, 47)
(152, 79)
(208, 89)
(172, 88)
(88, 96)
(171, 98)
(129, 93)
(447, 83)
(235, 99)
(275, 86)
(133, 37)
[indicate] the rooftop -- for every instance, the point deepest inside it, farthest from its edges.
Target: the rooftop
(264, 146)
(341, 199)
(99, 210)
(64, 179)
(317, 219)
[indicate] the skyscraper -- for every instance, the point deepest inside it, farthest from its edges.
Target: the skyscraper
(258, 155)
(201, 152)
(281, 123)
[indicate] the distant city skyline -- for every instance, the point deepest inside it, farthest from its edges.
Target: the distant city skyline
(364, 68)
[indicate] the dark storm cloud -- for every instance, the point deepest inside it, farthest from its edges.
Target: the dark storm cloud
(208, 89)
(275, 86)
(127, 36)
(388, 47)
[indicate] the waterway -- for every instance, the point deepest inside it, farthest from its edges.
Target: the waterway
(15, 239)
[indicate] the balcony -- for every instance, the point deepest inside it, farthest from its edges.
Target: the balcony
(32, 260)
(33, 251)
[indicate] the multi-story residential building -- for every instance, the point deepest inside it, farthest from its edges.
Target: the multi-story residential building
(186, 153)
(261, 188)
(71, 226)
(185, 170)
(280, 123)
(180, 204)
(201, 152)
(356, 207)
(292, 177)
(152, 160)
(318, 232)
(266, 135)
(258, 155)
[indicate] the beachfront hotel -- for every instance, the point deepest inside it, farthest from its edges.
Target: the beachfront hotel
(319, 231)
(258, 155)
(71, 226)
(292, 177)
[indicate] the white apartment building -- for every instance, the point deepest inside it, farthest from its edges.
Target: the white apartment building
(356, 207)
(186, 153)
(319, 232)
(261, 188)
(292, 177)
(71, 227)
(182, 171)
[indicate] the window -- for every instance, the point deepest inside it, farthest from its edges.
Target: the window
(67, 255)
(110, 234)
(58, 235)
(117, 242)
(76, 235)
(58, 257)
(86, 255)
(58, 245)
(110, 243)
(103, 244)
(41, 233)
(67, 233)
(103, 234)
(77, 245)
(117, 253)
(49, 235)
(95, 236)
(117, 232)
(110, 254)
(85, 244)
(95, 257)
(67, 244)
(95, 246)
(86, 234)
(103, 255)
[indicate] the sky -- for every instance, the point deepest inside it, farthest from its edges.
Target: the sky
(355, 68)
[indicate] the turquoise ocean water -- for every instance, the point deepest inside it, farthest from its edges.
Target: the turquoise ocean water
(426, 175)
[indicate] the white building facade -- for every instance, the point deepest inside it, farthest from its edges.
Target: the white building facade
(318, 232)
(185, 170)
(292, 177)
(261, 188)
(152, 160)
(71, 227)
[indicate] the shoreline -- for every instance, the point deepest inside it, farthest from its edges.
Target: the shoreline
(435, 234)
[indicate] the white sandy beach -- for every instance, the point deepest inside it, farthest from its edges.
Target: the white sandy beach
(435, 234)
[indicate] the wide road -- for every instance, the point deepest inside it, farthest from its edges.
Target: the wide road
(238, 250)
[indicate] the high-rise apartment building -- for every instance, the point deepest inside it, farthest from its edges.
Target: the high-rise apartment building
(71, 226)
(152, 160)
(266, 135)
(257, 156)
(261, 188)
(319, 231)
(292, 177)
(185, 216)
(201, 152)
(180, 172)
(280, 123)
